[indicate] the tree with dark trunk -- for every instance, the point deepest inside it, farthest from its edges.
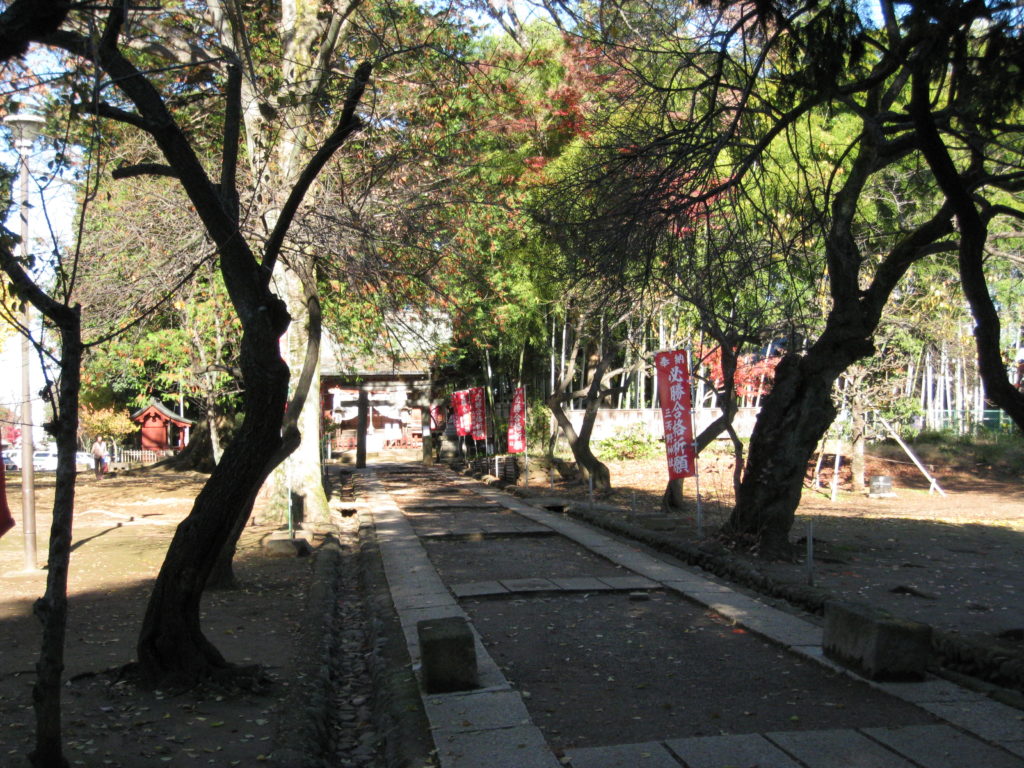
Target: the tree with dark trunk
(172, 649)
(817, 102)
(594, 328)
(51, 609)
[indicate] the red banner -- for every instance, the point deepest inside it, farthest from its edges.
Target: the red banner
(460, 402)
(517, 422)
(6, 521)
(437, 421)
(477, 424)
(674, 392)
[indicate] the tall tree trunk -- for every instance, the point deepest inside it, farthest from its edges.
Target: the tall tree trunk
(579, 443)
(299, 477)
(858, 438)
(172, 649)
(52, 609)
(222, 574)
(971, 254)
(793, 418)
(799, 409)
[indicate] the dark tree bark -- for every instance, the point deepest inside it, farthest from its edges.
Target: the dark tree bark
(23, 21)
(222, 575)
(793, 418)
(51, 609)
(595, 390)
(590, 466)
(799, 409)
(973, 225)
(172, 650)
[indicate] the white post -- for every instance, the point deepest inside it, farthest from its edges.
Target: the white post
(934, 484)
(835, 468)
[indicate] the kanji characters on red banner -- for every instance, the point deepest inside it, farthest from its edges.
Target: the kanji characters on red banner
(517, 422)
(460, 402)
(674, 392)
(477, 424)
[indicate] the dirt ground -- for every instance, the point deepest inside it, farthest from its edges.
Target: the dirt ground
(953, 561)
(122, 529)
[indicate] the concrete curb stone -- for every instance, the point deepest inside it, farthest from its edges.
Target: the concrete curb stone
(398, 706)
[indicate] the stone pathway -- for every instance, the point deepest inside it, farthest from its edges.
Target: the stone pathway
(491, 726)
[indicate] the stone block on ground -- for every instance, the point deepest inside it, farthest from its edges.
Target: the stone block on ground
(876, 644)
(447, 654)
(287, 547)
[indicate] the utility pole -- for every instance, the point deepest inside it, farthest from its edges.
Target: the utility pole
(25, 129)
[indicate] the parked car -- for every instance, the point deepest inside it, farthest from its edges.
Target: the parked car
(10, 463)
(44, 461)
(83, 461)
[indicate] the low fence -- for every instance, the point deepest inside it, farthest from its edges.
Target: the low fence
(609, 421)
(132, 456)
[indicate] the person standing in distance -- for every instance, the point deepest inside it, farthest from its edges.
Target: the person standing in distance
(99, 452)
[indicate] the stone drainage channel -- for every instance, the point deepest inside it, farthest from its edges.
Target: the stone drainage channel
(593, 653)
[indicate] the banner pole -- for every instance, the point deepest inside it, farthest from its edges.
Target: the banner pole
(526, 442)
(696, 463)
(696, 483)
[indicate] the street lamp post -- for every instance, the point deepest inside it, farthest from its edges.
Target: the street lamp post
(25, 128)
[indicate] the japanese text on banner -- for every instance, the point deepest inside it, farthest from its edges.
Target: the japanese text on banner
(517, 422)
(460, 402)
(674, 392)
(477, 425)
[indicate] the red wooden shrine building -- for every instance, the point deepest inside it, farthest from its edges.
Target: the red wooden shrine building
(162, 428)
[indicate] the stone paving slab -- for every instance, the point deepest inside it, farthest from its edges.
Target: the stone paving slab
(817, 655)
(747, 749)
(511, 528)
(460, 745)
(988, 719)
(563, 584)
(521, 747)
(412, 600)
(478, 589)
(477, 711)
(582, 584)
(837, 749)
(932, 690)
(529, 585)
(737, 607)
(462, 503)
(650, 754)
(697, 588)
(571, 529)
(1015, 747)
(940, 746)
(710, 590)
(446, 532)
(782, 627)
(629, 582)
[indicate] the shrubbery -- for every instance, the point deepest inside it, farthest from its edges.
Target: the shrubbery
(632, 442)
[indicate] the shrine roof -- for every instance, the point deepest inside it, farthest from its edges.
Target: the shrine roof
(164, 411)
